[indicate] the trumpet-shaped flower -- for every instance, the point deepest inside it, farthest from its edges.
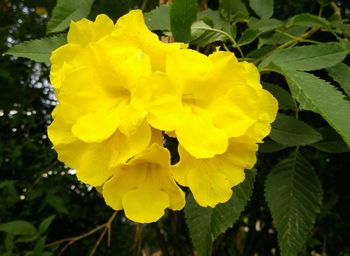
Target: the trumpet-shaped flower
(211, 179)
(220, 99)
(143, 186)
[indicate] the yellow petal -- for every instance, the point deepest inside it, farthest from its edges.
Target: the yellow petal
(189, 69)
(96, 127)
(81, 88)
(252, 75)
(59, 131)
(84, 32)
(268, 106)
(132, 30)
(236, 111)
(240, 154)
(200, 137)
(93, 166)
(164, 106)
(61, 63)
(145, 205)
(125, 147)
(209, 188)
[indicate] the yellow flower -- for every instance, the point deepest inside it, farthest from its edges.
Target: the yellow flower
(219, 99)
(143, 186)
(80, 35)
(129, 31)
(225, 113)
(211, 179)
(102, 76)
(119, 87)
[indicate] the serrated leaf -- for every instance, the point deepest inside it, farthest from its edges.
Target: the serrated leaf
(263, 8)
(307, 58)
(182, 14)
(202, 34)
(285, 100)
(341, 74)
(307, 20)
(66, 11)
(159, 18)
(38, 49)
(331, 143)
(321, 97)
(289, 131)
(293, 193)
(18, 227)
(206, 224)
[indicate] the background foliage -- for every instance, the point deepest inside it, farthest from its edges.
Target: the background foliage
(295, 201)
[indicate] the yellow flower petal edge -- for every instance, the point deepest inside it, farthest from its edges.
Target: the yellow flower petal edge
(144, 187)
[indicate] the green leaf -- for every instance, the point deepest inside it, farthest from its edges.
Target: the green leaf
(44, 225)
(215, 19)
(18, 227)
(278, 38)
(206, 224)
(257, 28)
(263, 8)
(331, 143)
(341, 74)
(182, 14)
(311, 57)
(57, 203)
(270, 146)
(321, 97)
(294, 194)
(202, 34)
(234, 10)
(285, 100)
(290, 131)
(39, 247)
(265, 25)
(65, 11)
(248, 36)
(38, 49)
(159, 18)
(307, 20)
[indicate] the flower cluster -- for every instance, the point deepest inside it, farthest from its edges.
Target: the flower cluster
(120, 89)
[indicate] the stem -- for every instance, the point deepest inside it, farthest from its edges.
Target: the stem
(71, 240)
(233, 41)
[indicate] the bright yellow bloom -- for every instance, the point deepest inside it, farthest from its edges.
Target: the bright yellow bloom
(218, 99)
(119, 88)
(129, 31)
(211, 179)
(143, 187)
